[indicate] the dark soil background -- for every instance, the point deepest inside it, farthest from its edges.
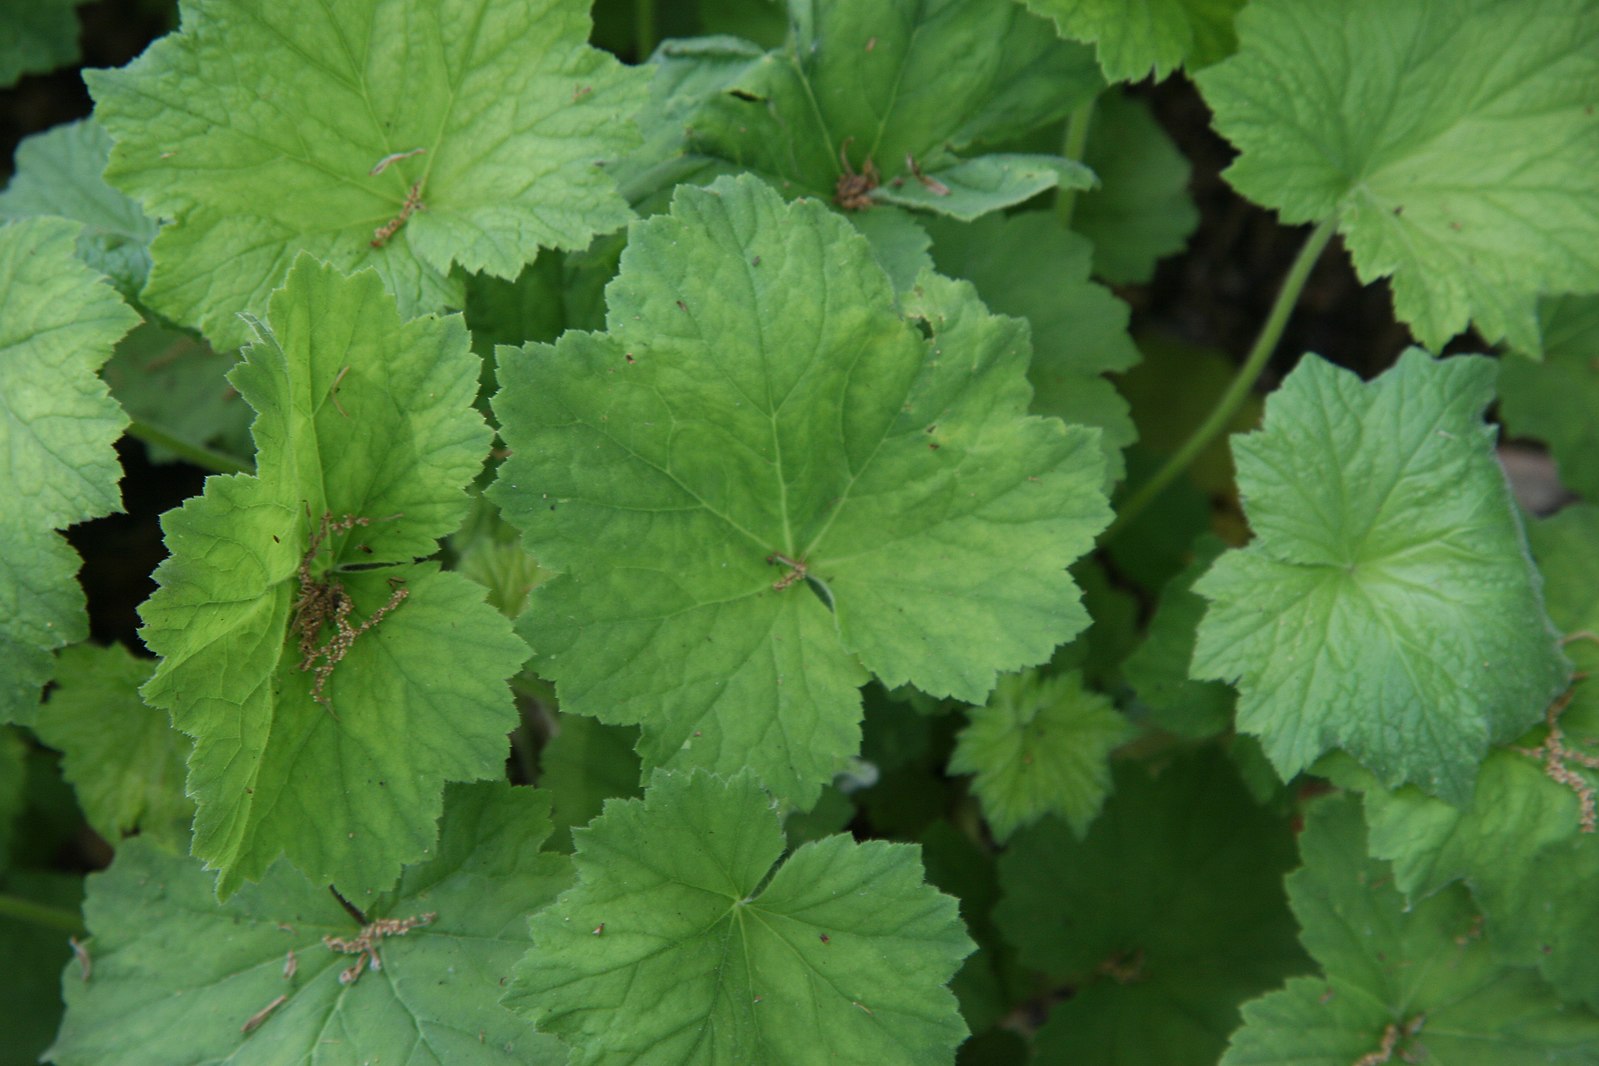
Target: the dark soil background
(1216, 295)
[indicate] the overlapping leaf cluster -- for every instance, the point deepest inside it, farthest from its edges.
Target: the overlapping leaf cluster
(803, 362)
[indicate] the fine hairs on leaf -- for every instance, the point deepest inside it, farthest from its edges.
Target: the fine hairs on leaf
(800, 533)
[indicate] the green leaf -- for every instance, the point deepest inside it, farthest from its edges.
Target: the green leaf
(1141, 212)
(758, 399)
(1521, 839)
(179, 978)
(124, 759)
(1163, 920)
(58, 172)
(339, 764)
(1410, 982)
(1388, 606)
(892, 89)
(1040, 746)
(1030, 266)
(1146, 37)
(1557, 400)
(170, 379)
(36, 36)
(680, 943)
(1452, 139)
(58, 321)
(1158, 669)
(264, 129)
(972, 188)
(13, 796)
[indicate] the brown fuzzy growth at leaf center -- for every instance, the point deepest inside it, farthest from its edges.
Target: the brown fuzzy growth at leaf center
(413, 203)
(364, 946)
(324, 602)
(853, 191)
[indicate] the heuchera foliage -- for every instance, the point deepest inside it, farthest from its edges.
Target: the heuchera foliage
(693, 571)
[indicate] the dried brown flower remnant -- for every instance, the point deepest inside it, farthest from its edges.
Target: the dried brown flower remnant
(853, 191)
(323, 602)
(364, 945)
(413, 203)
(1556, 756)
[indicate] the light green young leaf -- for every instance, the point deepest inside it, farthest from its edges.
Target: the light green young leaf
(1040, 746)
(450, 132)
(1163, 920)
(889, 89)
(1401, 982)
(1388, 605)
(58, 321)
(1521, 839)
(681, 944)
(181, 979)
(1141, 211)
(358, 414)
(1158, 670)
(123, 758)
(1557, 400)
(764, 478)
(1453, 140)
(1030, 266)
(1146, 37)
(59, 173)
(36, 36)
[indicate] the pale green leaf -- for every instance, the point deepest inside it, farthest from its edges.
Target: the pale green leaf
(759, 398)
(1141, 211)
(681, 944)
(972, 188)
(265, 129)
(1521, 838)
(1388, 605)
(1453, 140)
(58, 172)
(181, 979)
(364, 418)
(123, 758)
(1163, 920)
(36, 36)
(1030, 266)
(886, 90)
(1557, 400)
(1138, 38)
(1040, 746)
(1401, 982)
(58, 321)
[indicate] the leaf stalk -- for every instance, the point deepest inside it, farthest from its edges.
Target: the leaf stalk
(204, 458)
(26, 910)
(1238, 390)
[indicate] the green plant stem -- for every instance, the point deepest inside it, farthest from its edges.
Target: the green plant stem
(1077, 127)
(202, 457)
(643, 28)
(1238, 391)
(25, 910)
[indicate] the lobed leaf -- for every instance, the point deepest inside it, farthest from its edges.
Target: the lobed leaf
(1453, 141)
(1040, 746)
(409, 136)
(1146, 37)
(1400, 982)
(58, 321)
(181, 979)
(681, 944)
(894, 89)
(337, 763)
(764, 479)
(1388, 605)
(1167, 916)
